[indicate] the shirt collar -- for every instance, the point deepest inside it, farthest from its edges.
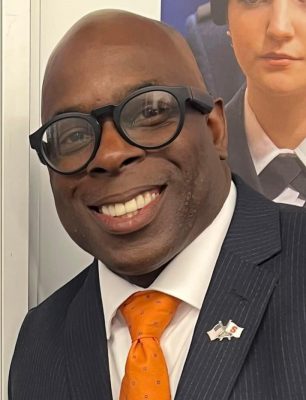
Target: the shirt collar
(186, 277)
(262, 149)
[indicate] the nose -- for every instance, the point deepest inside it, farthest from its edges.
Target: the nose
(280, 24)
(114, 153)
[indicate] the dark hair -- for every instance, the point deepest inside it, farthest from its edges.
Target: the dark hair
(219, 11)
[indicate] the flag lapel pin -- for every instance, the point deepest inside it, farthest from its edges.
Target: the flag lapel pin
(220, 331)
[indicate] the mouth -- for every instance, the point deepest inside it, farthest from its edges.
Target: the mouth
(279, 56)
(132, 214)
(279, 59)
(131, 207)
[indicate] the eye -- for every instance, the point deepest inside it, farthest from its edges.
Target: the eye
(74, 140)
(68, 135)
(153, 114)
(150, 110)
(76, 136)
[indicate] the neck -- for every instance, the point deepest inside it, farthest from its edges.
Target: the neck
(144, 280)
(282, 117)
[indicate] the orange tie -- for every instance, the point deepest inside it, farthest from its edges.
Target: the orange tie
(146, 377)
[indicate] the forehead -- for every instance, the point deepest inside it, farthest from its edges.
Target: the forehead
(99, 66)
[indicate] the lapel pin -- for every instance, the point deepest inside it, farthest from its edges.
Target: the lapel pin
(220, 331)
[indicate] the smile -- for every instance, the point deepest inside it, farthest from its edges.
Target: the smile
(122, 217)
(131, 207)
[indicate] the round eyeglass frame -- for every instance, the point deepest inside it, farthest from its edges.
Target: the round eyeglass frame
(194, 97)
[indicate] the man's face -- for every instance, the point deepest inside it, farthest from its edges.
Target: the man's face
(269, 40)
(180, 183)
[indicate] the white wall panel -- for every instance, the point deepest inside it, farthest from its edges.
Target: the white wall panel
(15, 76)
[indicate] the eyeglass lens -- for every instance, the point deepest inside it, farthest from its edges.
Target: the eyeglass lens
(149, 120)
(68, 143)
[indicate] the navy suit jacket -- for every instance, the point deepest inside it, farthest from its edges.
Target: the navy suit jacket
(239, 156)
(259, 282)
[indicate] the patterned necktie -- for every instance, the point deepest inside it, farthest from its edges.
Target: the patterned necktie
(147, 314)
(283, 171)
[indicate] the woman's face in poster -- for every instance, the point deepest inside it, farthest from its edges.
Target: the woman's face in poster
(269, 40)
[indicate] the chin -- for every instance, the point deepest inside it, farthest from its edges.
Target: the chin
(135, 266)
(135, 261)
(129, 271)
(281, 84)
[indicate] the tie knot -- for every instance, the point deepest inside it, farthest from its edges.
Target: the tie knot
(285, 170)
(148, 313)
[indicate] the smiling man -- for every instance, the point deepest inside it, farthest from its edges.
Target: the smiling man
(190, 293)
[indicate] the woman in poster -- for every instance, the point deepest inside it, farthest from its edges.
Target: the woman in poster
(267, 117)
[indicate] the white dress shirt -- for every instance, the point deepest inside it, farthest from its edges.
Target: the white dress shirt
(263, 151)
(186, 277)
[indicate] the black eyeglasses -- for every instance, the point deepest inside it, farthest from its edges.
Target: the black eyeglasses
(149, 118)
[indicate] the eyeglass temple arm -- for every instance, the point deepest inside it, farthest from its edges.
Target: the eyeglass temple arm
(201, 101)
(34, 140)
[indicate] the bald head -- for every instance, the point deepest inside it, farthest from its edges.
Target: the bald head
(111, 46)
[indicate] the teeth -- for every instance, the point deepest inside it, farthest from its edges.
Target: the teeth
(130, 208)
(112, 210)
(120, 209)
(147, 198)
(105, 210)
(140, 201)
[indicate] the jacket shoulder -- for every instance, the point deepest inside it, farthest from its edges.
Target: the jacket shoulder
(52, 310)
(39, 351)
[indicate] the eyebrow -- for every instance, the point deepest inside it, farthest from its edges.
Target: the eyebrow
(126, 91)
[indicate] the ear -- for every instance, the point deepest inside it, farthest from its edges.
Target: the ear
(216, 122)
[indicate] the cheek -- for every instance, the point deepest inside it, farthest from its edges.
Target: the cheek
(195, 157)
(63, 189)
(244, 52)
(73, 215)
(245, 41)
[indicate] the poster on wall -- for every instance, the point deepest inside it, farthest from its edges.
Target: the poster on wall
(238, 41)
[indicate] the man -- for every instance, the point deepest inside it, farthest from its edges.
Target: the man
(144, 187)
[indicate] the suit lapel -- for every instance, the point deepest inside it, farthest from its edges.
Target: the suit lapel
(240, 290)
(239, 156)
(86, 344)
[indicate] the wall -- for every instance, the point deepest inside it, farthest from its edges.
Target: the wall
(15, 117)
